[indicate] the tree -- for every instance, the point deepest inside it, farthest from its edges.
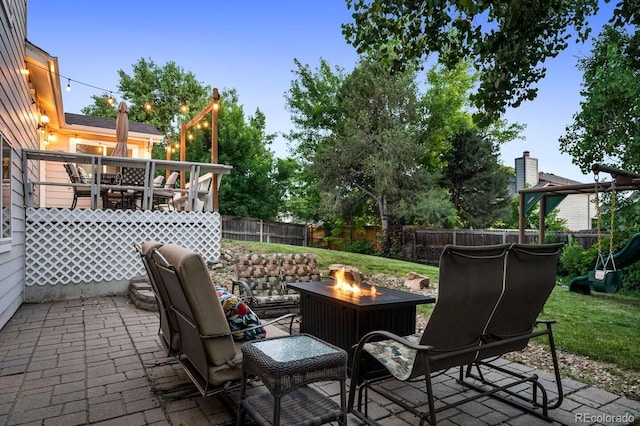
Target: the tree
(312, 101)
(101, 107)
(507, 41)
(370, 164)
(257, 183)
(477, 183)
(445, 109)
(162, 95)
(607, 127)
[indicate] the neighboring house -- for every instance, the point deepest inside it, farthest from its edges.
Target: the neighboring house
(578, 210)
(32, 117)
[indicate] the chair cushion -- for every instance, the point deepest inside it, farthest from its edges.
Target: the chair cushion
(396, 358)
(239, 316)
(203, 300)
(276, 299)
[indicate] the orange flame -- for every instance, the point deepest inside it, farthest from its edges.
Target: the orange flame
(344, 286)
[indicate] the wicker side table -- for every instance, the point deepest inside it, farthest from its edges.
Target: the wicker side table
(286, 365)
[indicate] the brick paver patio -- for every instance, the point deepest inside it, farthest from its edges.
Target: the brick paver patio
(99, 360)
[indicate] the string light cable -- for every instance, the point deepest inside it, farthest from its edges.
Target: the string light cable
(69, 80)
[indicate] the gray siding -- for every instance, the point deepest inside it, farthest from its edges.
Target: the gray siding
(18, 124)
(577, 210)
(526, 172)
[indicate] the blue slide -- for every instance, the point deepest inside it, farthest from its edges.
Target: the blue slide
(628, 255)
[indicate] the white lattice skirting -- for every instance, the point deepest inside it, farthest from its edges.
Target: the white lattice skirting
(94, 247)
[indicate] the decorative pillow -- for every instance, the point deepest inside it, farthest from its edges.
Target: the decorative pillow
(84, 176)
(240, 316)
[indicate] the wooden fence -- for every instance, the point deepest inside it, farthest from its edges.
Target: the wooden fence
(247, 229)
(425, 245)
(418, 244)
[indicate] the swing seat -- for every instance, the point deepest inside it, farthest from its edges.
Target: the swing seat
(605, 280)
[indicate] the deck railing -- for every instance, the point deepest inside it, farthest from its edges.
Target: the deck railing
(97, 165)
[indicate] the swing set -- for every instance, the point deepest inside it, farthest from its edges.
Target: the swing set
(606, 276)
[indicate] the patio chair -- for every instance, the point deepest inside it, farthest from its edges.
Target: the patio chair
(168, 331)
(164, 197)
(209, 355)
(74, 177)
(181, 199)
(132, 176)
(530, 277)
(157, 181)
(473, 281)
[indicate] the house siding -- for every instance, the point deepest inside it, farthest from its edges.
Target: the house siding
(18, 120)
(578, 210)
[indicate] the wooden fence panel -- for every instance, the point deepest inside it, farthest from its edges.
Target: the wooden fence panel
(426, 245)
(248, 229)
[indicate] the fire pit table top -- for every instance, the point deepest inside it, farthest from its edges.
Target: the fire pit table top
(383, 296)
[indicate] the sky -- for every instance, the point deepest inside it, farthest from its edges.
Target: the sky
(250, 46)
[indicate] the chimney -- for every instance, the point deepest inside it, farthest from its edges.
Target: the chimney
(526, 171)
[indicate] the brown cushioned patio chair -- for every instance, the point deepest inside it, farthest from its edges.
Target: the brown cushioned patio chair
(168, 330)
(473, 294)
(209, 355)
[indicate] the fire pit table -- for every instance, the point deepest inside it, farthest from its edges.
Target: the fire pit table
(342, 319)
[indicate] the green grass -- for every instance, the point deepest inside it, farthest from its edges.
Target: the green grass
(601, 326)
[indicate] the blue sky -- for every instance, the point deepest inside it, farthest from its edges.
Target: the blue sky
(250, 46)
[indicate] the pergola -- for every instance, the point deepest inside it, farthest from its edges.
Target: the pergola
(550, 196)
(212, 107)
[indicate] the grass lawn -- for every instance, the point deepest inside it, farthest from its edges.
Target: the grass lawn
(602, 327)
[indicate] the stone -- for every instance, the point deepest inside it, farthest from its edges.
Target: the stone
(416, 281)
(351, 274)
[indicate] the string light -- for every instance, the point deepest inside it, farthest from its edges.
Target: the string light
(110, 99)
(148, 106)
(68, 85)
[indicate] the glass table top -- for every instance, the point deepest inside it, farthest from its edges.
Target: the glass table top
(293, 348)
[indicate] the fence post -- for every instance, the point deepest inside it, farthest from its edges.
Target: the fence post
(261, 231)
(305, 235)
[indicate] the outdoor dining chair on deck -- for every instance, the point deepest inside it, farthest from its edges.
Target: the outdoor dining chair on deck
(74, 177)
(473, 297)
(164, 196)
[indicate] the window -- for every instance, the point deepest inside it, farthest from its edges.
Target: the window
(87, 147)
(5, 192)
